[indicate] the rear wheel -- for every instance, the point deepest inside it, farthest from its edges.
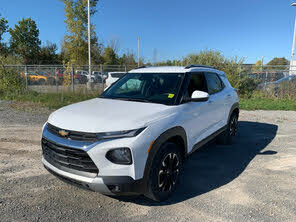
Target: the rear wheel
(226, 138)
(165, 172)
(51, 81)
(41, 82)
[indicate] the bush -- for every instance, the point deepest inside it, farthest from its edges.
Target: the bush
(246, 87)
(11, 82)
(231, 66)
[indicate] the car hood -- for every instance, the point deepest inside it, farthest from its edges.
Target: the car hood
(107, 115)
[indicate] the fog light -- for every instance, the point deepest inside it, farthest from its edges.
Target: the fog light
(120, 156)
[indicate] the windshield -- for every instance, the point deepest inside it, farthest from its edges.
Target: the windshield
(146, 87)
(285, 78)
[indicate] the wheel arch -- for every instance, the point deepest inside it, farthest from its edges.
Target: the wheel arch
(234, 109)
(176, 135)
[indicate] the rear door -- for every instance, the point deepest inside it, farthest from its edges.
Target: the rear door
(217, 107)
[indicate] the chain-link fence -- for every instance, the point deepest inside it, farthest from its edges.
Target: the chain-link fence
(57, 78)
(279, 81)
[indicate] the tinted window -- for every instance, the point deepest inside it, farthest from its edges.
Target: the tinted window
(214, 83)
(117, 75)
(131, 85)
(148, 87)
(197, 82)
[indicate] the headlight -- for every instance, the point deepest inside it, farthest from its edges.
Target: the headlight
(120, 156)
(119, 134)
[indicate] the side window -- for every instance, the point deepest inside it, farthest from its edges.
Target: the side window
(214, 83)
(197, 82)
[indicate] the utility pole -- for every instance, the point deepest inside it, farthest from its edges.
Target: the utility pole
(293, 47)
(138, 51)
(89, 49)
(262, 60)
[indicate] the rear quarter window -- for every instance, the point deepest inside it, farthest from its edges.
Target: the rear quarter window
(215, 84)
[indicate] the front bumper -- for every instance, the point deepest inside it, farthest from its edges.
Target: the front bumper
(109, 185)
(95, 184)
(111, 178)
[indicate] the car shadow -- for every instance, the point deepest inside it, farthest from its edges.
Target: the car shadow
(213, 166)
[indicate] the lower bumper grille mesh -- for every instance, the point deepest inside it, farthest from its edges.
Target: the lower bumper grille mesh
(66, 157)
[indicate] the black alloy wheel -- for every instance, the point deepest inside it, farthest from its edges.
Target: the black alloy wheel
(165, 172)
(226, 137)
(169, 172)
(233, 125)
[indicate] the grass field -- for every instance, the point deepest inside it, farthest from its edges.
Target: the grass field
(261, 103)
(56, 100)
(50, 100)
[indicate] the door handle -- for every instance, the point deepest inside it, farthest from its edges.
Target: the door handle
(228, 95)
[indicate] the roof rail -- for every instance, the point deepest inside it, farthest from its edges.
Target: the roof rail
(141, 67)
(199, 66)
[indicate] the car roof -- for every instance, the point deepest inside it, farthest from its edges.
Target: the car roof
(115, 72)
(174, 69)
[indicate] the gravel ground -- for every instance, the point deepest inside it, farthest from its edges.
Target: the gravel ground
(252, 180)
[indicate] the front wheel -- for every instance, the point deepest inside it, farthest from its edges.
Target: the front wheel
(226, 138)
(165, 172)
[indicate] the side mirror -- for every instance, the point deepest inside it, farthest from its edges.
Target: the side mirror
(198, 96)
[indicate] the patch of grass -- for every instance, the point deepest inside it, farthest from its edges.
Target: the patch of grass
(50, 100)
(33, 100)
(262, 103)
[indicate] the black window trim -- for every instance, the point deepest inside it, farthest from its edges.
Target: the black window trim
(186, 83)
(223, 85)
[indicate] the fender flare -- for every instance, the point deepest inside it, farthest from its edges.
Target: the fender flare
(234, 106)
(165, 136)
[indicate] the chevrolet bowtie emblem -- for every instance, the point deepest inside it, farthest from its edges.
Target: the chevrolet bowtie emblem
(63, 133)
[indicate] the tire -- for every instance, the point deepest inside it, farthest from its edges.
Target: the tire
(226, 138)
(76, 81)
(165, 172)
(51, 81)
(41, 82)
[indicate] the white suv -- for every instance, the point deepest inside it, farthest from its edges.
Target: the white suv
(113, 77)
(134, 138)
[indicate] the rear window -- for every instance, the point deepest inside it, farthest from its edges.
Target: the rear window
(117, 75)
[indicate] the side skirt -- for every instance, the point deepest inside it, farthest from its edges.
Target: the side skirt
(208, 139)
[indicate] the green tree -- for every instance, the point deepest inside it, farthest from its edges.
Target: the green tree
(24, 41)
(75, 45)
(128, 58)
(3, 29)
(278, 62)
(110, 57)
(48, 54)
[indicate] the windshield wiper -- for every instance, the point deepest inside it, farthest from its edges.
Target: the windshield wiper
(135, 100)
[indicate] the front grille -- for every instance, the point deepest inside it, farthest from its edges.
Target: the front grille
(64, 157)
(73, 135)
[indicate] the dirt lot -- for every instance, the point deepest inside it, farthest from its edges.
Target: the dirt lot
(253, 180)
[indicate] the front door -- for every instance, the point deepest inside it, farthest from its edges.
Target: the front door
(197, 115)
